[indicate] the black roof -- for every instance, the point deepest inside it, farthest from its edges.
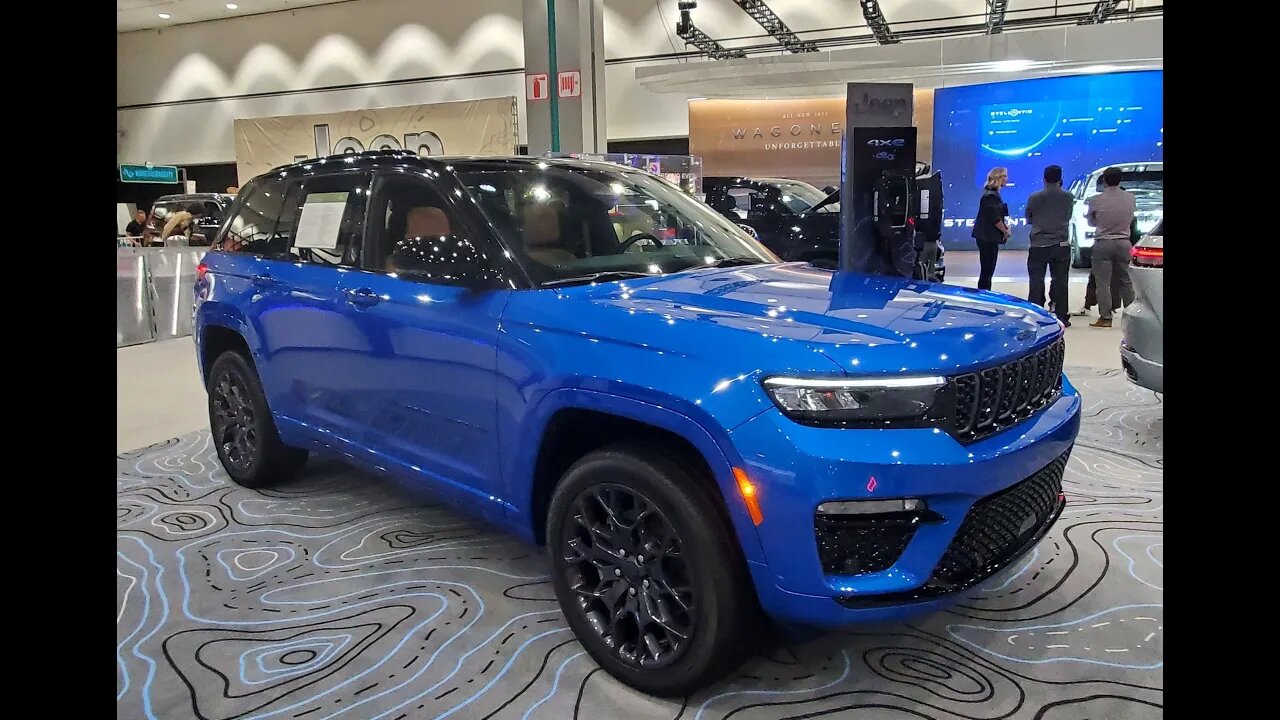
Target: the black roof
(374, 159)
(195, 197)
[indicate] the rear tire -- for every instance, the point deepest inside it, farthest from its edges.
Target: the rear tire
(666, 624)
(243, 430)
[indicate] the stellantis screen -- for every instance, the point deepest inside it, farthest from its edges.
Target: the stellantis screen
(1081, 122)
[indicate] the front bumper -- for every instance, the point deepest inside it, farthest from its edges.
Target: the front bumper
(798, 468)
(1141, 371)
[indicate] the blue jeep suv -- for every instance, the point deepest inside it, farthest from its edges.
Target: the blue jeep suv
(585, 355)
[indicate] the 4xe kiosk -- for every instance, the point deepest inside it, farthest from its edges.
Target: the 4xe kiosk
(890, 219)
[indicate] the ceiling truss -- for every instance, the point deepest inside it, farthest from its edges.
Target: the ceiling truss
(875, 20)
(773, 25)
(695, 37)
(1100, 12)
(995, 16)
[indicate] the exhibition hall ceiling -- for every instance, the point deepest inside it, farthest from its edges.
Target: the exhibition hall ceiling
(143, 14)
(722, 20)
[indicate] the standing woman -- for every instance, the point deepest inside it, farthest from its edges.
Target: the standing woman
(990, 228)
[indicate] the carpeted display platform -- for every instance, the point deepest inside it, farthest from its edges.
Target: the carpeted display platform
(345, 596)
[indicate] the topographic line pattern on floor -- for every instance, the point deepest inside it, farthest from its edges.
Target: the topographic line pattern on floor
(343, 595)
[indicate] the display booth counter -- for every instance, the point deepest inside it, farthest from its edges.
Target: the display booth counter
(154, 289)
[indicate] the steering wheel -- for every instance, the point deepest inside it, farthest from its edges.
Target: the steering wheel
(626, 244)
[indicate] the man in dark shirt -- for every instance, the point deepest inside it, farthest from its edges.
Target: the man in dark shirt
(1049, 214)
(135, 226)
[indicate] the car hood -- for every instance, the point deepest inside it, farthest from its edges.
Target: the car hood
(866, 324)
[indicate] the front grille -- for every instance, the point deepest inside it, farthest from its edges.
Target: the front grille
(993, 399)
(998, 526)
(853, 545)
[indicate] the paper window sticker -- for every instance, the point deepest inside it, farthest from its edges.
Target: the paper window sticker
(321, 220)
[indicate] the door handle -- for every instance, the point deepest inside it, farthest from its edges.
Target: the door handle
(262, 281)
(362, 297)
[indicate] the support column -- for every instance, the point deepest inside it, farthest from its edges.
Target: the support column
(564, 76)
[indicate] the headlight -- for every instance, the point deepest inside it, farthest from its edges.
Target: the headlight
(870, 402)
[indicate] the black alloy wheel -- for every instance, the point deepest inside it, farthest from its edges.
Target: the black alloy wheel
(244, 432)
(625, 562)
(648, 571)
(233, 422)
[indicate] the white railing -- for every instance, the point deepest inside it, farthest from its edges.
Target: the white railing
(154, 289)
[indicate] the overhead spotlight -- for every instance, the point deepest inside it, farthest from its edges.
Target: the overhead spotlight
(164, 16)
(232, 6)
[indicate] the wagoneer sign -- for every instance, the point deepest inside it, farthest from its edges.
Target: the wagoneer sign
(471, 127)
(796, 138)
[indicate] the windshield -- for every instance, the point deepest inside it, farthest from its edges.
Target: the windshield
(1145, 182)
(568, 223)
(799, 196)
(829, 204)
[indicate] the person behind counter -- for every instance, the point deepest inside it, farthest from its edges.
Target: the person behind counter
(137, 224)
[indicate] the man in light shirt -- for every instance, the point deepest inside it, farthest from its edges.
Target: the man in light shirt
(1111, 214)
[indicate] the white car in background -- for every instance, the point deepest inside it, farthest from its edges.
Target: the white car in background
(1142, 346)
(1144, 179)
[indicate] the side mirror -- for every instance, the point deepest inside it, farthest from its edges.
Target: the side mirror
(443, 260)
(830, 189)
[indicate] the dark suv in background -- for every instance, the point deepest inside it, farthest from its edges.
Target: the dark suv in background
(794, 219)
(214, 207)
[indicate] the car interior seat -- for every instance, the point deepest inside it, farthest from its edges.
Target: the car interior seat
(540, 230)
(424, 221)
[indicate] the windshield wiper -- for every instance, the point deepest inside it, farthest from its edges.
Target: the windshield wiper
(733, 262)
(604, 276)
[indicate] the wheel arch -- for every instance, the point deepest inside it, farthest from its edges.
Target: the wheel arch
(220, 327)
(571, 422)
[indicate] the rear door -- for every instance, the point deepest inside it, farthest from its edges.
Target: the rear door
(289, 241)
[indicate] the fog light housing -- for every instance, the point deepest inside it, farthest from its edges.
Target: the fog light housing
(871, 507)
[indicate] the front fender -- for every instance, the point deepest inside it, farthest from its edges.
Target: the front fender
(670, 414)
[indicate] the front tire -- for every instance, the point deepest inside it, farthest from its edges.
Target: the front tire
(648, 572)
(1078, 257)
(243, 430)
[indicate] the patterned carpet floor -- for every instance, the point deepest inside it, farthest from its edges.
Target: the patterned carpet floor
(345, 596)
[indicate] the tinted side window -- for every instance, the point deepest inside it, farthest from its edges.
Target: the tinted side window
(413, 231)
(330, 214)
(258, 227)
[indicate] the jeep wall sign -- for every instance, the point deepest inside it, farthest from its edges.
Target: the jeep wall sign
(880, 104)
(471, 127)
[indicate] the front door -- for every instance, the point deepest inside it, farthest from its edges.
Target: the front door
(426, 380)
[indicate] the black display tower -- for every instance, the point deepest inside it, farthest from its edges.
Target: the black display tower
(879, 143)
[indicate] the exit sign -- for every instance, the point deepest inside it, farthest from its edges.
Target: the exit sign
(149, 174)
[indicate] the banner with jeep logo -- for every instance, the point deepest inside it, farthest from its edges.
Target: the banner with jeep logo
(469, 127)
